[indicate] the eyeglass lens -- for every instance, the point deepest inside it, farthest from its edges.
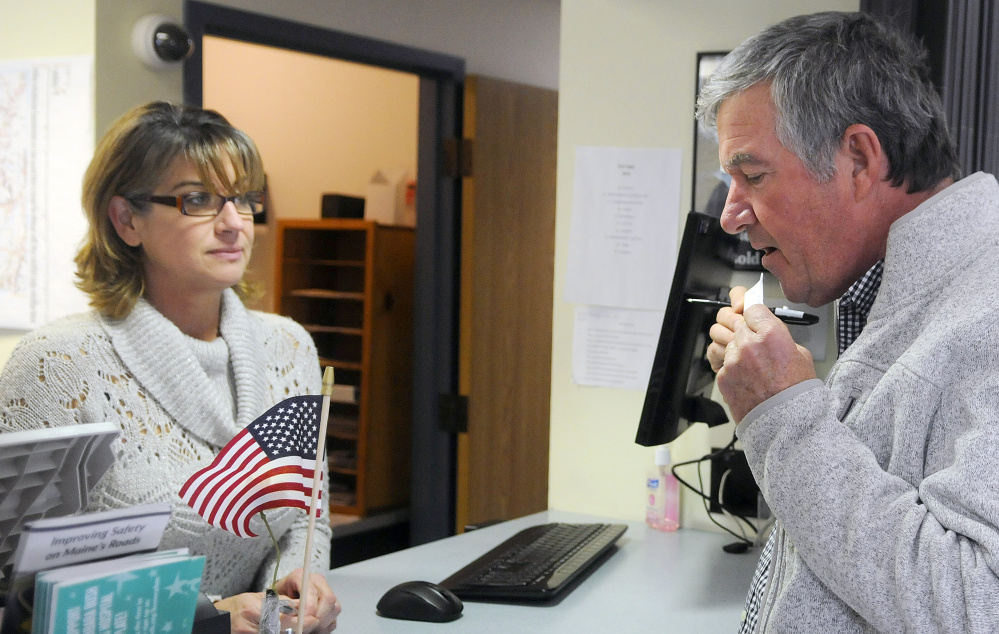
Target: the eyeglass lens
(208, 204)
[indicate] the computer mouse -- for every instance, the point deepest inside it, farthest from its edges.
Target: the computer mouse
(420, 601)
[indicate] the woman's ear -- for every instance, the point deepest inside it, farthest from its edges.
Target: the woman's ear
(121, 216)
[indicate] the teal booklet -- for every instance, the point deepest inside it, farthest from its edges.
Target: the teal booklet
(154, 592)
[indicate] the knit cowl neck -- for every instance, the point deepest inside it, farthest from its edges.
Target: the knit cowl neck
(156, 353)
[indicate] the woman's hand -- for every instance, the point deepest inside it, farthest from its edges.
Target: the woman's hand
(322, 607)
(321, 610)
(244, 612)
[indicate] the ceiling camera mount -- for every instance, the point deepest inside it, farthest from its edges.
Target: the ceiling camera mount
(161, 42)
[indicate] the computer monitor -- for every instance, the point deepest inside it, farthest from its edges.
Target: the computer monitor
(681, 380)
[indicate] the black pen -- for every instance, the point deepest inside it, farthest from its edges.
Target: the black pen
(785, 314)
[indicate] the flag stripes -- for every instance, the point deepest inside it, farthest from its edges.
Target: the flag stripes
(269, 464)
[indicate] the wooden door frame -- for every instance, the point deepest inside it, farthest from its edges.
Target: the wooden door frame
(508, 244)
(435, 327)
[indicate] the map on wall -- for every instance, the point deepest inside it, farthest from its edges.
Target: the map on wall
(46, 141)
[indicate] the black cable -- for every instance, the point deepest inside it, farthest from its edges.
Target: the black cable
(707, 509)
(707, 498)
(697, 461)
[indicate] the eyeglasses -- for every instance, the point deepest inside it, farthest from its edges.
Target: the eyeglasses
(207, 204)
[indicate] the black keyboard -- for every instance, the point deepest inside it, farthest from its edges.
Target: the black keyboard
(539, 562)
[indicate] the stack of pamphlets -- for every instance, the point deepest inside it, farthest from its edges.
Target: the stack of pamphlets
(99, 569)
(151, 592)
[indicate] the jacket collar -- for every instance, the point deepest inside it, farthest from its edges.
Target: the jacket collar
(941, 234)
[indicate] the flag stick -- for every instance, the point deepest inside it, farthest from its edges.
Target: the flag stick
(320, 456)
(277, 550)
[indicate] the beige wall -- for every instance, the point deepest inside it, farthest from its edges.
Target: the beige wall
(516, 40)
(322, 125)
(46, 29)
(627, 79)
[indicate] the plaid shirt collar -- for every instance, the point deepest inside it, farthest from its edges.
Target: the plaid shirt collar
(855, 305)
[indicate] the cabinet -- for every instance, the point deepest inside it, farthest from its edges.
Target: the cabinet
(349, 283)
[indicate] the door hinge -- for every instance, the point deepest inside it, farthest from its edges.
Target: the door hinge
(454, 413)
(458, 156)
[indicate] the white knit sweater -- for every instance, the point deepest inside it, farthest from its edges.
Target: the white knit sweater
(140, 373)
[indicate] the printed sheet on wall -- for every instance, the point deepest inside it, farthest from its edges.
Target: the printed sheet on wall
(46, 141)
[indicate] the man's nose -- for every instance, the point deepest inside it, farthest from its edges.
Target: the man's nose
(737, 214)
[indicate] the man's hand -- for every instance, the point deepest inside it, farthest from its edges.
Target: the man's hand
(723, 331)
(759, 360)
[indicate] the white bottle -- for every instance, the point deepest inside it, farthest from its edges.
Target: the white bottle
(662, 504)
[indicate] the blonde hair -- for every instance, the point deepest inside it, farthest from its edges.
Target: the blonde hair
(129, 161)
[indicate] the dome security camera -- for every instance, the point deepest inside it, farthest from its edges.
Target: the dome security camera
(160, 42)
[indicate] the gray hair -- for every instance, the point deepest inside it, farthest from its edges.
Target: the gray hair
(828, 71)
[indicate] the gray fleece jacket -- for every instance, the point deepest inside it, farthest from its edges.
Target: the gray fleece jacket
(885, 478)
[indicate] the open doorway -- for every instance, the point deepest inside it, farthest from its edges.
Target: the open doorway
(326, 127)
(323, 126)
(437, 228)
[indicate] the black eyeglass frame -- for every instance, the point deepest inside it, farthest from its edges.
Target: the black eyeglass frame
(178, 202)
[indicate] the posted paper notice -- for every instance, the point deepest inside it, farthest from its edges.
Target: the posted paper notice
(625, 219)
(46, 141)
(614, 347)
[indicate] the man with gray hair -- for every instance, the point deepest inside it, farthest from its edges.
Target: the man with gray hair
(882, 478)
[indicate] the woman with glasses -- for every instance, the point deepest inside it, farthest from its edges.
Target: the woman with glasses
(170, 353)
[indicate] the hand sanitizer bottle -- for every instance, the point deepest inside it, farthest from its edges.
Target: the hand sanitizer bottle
(662, 505)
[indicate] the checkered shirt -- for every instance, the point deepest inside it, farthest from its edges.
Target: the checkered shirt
(855, 305)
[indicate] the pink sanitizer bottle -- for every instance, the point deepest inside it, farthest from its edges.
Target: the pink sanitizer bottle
(662, 495)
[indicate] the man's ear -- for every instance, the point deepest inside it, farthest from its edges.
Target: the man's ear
(868, 162)
(121, 216)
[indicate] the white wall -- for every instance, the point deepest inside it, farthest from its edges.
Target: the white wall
(517, 40)
(627, 79)
(121, 80)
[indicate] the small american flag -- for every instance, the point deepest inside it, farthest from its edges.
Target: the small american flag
(270, 463)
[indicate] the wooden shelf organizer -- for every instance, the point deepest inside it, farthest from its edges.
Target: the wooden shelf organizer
(350, 284)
